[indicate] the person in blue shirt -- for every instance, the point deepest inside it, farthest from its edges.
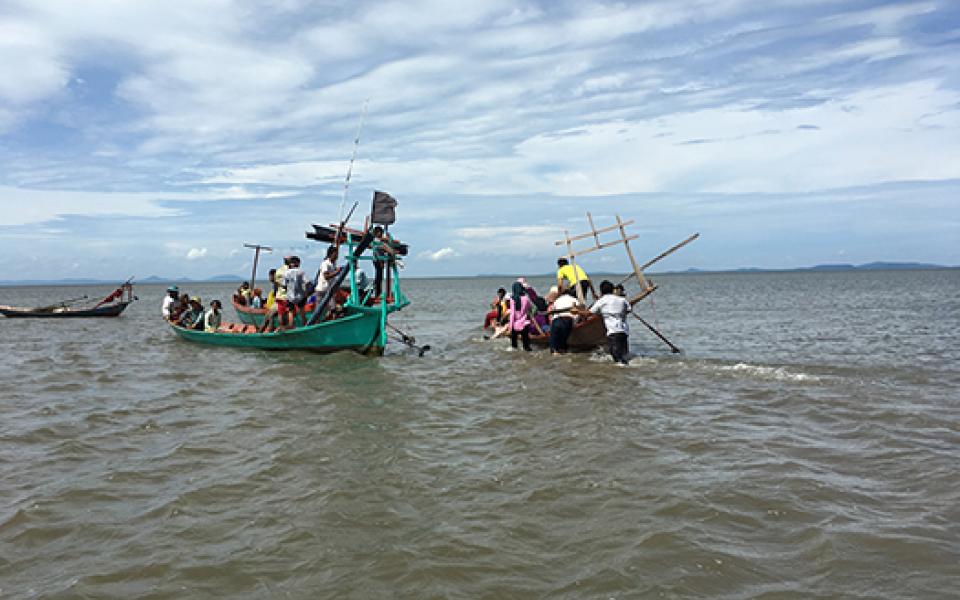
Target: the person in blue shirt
(383, 253)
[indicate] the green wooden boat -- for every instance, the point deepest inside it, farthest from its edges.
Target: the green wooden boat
(359, 330)
(361, 324)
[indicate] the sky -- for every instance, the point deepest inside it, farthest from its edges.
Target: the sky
(157, 137)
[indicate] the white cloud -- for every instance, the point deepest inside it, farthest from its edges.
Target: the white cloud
(196, 253)
(441, 254)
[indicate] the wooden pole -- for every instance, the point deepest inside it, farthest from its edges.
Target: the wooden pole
(673, 348)
(633, 261)
(576, 275)
(662, 255)
(256, 258)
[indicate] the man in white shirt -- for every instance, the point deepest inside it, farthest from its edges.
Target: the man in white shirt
(614, 311)
(563, 319)
(169, 300)
(328, 270)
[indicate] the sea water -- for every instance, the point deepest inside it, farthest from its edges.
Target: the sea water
(805, 445)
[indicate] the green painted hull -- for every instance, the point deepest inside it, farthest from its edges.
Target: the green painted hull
(360, 331)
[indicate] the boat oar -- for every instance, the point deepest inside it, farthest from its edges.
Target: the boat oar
(657, 333)
(410, 341)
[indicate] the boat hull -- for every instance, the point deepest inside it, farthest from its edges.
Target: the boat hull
(358, 331)
(14, 312)
(586, 335)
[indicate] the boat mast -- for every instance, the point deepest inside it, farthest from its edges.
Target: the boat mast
(256, 258)
(353, 157)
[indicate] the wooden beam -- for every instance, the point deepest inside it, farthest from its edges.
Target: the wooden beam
(591, 234)
(602, 246)
(642, 295)
(633, 261)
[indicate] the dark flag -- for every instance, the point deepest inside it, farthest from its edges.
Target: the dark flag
(383, 210)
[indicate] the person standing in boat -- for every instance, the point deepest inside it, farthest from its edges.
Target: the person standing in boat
(295, 283)
(520, 309)
(568, 275)
(383, 253)
(279, 280)
(170, 301)
(614, 310)
(213, 317)
(328, 270)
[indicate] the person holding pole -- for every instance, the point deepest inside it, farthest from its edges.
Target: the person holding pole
(569, 276)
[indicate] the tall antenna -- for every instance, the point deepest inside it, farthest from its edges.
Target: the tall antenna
(353, 157)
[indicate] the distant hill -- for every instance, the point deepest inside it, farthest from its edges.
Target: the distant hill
(874, 266)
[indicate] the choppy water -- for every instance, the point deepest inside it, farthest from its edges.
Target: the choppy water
(805, 446)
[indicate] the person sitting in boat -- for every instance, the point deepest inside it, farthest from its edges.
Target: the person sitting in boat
(213, 317)
(498, 308)
(295, 282)
(383, 254)
(181, 305)
(242, 297)
(568, 275)
(192, 318)
(281, 292)
(256, 300)
(169, 301)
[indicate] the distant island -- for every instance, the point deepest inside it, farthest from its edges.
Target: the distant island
(154, 279)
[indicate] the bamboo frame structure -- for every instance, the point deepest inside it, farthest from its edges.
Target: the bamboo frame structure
(646, 287)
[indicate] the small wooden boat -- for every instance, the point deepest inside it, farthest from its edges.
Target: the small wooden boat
(62, 312)
(105, 308)
(586, 335)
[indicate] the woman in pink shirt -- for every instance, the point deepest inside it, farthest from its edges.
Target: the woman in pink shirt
(520, 309)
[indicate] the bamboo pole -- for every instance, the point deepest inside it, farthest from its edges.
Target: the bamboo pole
(662, 255)
(591, 234)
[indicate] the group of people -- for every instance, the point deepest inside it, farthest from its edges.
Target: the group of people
(187, 311)
(291, 297)
(523, 313)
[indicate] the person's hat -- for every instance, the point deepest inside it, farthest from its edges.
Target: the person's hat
(554, 289)
(173, 288)
(522, 281)
(195, 299)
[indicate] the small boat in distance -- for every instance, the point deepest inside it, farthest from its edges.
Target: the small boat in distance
(111, 306)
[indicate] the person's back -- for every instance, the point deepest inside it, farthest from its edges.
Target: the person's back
(212, 318)
(614, 311)
(295, 283)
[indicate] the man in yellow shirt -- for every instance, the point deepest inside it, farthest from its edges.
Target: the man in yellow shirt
(567, 277)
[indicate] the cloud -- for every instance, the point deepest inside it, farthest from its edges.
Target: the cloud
(196, 253)
(441, 254)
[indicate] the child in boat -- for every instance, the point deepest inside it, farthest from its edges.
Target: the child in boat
(257, 300)
(213, 317)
